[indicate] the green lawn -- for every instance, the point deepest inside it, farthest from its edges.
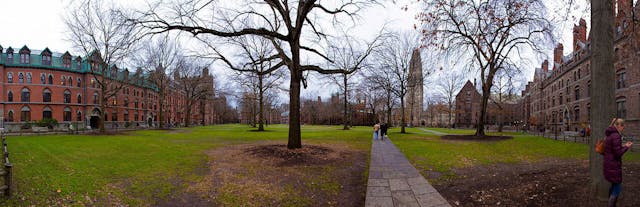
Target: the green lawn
(136, 168)
(429, 152)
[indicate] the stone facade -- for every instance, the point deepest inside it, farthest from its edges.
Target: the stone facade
(41, 84)
(415, 96)
(558, 100)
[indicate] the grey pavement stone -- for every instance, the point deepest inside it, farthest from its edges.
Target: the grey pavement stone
(431, 199)
(398, 184)
(404, 198)
(378, 182)
(423, 189)
(375, 174)
(419, 180)
(378, 191)
(378, 201)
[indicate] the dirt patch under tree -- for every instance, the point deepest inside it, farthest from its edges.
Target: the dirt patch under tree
(545, 183)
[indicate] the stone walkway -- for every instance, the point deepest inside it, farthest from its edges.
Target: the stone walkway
(433, 132)
(393, 181)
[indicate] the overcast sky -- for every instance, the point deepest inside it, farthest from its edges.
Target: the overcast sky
(38, 24)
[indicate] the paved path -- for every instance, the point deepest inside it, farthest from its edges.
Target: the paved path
(393, 181)
(433, 132)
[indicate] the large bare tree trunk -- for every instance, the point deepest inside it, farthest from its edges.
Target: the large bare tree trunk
(603, 81)
(403, 121)
(483, 112)
(294, 111)
(103, 107)
(346, 105)
(260, 107)
(161, 107)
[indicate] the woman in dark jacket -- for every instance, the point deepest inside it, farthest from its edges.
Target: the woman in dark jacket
(612, 165)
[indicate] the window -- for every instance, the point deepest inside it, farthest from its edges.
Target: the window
(46, 59)
(63, 81)
(66, 60)
(135, 116)
(25, 58)
(50, 79)
(9, 77)
(588, 113)
(93, 83)
(79, 98)
(70, 81)
(26, 95)
(620, 80)
(67, 96)
(78, 116)
(126, 102)
(621, 110)
(46, 95)
(79, 82)
(20, 78)
(576, 114)
(135, 104)
(560, 99)
(46, 113)
(95, 98)
(577, 93)
(126, 116)
(25, 114)
(114, 116)
(78, 63)
(10, 96)
(28, 77)
(66, 115)
(10, 116)
(9, 57)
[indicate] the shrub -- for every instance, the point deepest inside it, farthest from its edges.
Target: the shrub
(26, 125)
(50, 123)
(127, 124)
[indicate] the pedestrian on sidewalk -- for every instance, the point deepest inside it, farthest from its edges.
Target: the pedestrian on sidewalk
(612, 165)
(383, 130)
(376, 131)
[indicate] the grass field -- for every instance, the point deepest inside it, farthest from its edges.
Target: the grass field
(427, 151)
(135, 168)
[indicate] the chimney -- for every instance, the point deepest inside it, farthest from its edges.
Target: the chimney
(579, 34)
(319, 99)
(557, 55)
(545, 66)
(474, 83)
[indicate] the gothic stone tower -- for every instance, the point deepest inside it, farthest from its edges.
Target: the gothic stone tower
(415, 95)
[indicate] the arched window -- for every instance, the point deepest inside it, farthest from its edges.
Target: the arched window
(43, 78)
(93, 83)
(126, 102)
(46, 95)
(25, 96)
(621, 79)
(67, 96)
(621, 108)
(576, 113)
(47, 113)
(66, 114)
(10, 116)
(79, 98)
(577, 92)
(50, 79)
(20, 78)
(10, 96)
(25, 114)
(126, 115)
(135, 116)
(70, 81)
(95, 98)
(63, 81)
(114, 116)
(10, 77)
(78, 116)
(79, 82)
(28, 77)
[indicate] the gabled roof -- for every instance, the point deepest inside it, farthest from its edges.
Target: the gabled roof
(46, 51)
(25, 49)
(66, 55)
(9, 50)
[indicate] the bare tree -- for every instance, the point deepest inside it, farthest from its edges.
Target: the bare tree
(160, 56)
(448, 85)
(193, 80)
(489, 34)
(279, 21)
(504, 88)
(394, 60)
(379, 78)
(96, 29)
(348, 54)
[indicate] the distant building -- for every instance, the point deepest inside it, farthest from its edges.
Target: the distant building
(415, 96)
(469, 103)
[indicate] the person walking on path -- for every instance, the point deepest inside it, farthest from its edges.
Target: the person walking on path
(376, 131)
(612, 165)
(383, 130)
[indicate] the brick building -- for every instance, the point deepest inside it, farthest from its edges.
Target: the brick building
(558, 98)
(42, 84)
(468, 103)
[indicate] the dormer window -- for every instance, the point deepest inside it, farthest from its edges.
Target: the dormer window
(46, 56)
(78, 63)
(10, 55)
(25, 55)
(66, 60)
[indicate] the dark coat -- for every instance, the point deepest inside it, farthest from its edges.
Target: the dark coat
(613, 151)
